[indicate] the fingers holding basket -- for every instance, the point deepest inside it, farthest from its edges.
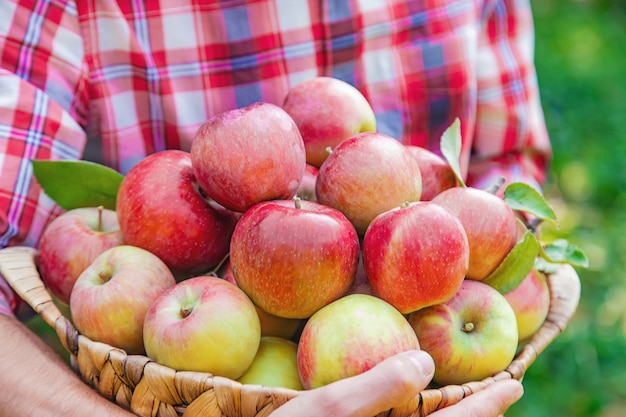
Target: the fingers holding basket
(492, 401)
(391, 383)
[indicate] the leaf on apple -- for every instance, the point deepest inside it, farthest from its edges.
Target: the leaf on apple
(450, 144)
(75, 184)
(562, 252)
(522, 197)
(516, 266)
(546, 267)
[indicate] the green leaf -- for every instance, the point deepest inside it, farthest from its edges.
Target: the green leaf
(74, 184)
(522, 197)
(516, 266)
(546, 267)
(562, 252)
(451, 148)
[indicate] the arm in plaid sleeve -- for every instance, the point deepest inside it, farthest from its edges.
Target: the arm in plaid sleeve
(41, 84)
(510, 136)
(39, 95)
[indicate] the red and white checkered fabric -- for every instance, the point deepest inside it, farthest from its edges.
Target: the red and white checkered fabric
(133, 77)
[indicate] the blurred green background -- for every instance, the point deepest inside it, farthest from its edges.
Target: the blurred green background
(581, 63)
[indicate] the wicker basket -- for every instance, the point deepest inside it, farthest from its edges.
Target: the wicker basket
(148, 389)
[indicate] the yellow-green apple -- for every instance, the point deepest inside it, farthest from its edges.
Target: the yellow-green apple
(327, 111)
(366, 175)
(415, 255)
(244, 156)
(161, 209)
(71, 242)
(437, 174)
(111, 297)
(471, 336)
(490, 225)
(271, 325)
(306, 190)
(348, 337)
(275, 365)
(203, 324)
(292, 257)
(530, 301)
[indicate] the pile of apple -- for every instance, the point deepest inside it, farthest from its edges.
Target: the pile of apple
(293, 246)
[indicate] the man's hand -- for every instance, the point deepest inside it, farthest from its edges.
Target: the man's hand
(392, 383)
(36, 382)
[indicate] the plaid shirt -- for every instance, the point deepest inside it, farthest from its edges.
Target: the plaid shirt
(134, 77)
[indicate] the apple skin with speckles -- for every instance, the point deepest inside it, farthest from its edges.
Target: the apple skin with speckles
(367, 175)
(437, 174)
(415, 255)
(111, 297)
(162, 209)
(292, 257)
(471, 336)
(71, 242)
(327, 111)
(530, 301)
(247, 155)
(203, 324)
(350, 336)
(490, 225)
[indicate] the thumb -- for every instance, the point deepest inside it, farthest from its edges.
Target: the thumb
(394, 381)
(391, 383)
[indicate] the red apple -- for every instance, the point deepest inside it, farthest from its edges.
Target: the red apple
(271, 325)
(415, 255)
(327, 111)
(490, 225)
(161, 209)
(248, 155)
(366, 175)
(293, 257)
(437, 174)
(203, 324)
(470, 337)
(530, 301)
(111, 297)
(71, 242)
(350, 336)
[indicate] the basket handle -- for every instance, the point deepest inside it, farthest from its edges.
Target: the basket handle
(18, 267)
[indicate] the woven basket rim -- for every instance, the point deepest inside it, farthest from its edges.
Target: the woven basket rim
(122, 377)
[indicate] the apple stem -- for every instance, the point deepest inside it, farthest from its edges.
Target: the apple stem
(185, 311)
(496, 186)
(467, 327)
(100, 209)
(104, 276)
(215, 271)
(297, 202)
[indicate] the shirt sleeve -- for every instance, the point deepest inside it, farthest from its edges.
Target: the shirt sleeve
(8, 300)
(511, 138)
(42, 103)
